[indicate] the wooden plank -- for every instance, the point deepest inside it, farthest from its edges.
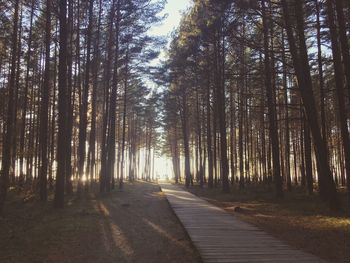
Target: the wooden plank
(222, 237)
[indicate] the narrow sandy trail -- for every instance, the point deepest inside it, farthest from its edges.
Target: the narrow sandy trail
(139, 226)
(133, 225)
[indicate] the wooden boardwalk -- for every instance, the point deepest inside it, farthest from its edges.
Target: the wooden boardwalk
(222, 237)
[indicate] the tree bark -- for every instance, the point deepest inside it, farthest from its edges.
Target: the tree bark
(8, 136)
(84, 103)
(339, 73)
(273, 129)
(302, 68)
(45, 107)
(62, 107)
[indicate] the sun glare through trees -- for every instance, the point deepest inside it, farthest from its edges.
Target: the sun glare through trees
(114, 113)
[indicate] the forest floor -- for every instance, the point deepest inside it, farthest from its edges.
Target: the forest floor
(303, 221)
(133, 225)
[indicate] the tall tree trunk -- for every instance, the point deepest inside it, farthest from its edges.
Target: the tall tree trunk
(53, 119)
(71, 95)
(92, 138)
(45, 107)
(62, 107)
(124, 124)
(273, 129)
(287, 132)
(15, 103)
(84, 103)
(320, 71)
(240, 139)
(343, 42)
(308, 158)
(184, 119)
(302, 68)
(108, 65)
(209, 137)
(222, 118)
(339, 81)
(8, 136)
(232, 136)
(199, 138)
(25, 95)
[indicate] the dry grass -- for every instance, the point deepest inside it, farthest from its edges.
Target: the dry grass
(134, 225)
(302, 221)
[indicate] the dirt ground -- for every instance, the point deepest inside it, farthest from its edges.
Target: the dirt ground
(303, 221)
(133, 225)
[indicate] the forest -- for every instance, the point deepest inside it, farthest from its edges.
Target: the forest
(246, 95)
(75, 104)
(259, 93)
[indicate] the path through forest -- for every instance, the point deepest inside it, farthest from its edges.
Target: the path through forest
(221, 237)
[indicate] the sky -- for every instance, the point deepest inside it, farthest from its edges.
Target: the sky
(174, 10)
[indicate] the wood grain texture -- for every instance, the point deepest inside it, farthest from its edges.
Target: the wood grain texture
(222, 237)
